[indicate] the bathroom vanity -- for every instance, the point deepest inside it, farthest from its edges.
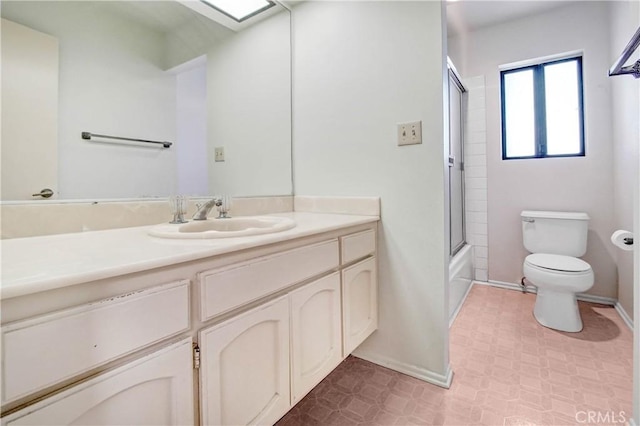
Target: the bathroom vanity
(119, 327)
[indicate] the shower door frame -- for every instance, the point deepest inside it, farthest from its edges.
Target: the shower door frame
(455, 78)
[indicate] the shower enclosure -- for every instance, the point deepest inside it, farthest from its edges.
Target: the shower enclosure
(461, 259)
(456, 163)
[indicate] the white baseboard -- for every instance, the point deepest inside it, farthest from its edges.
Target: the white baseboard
(508, 286)
(624, 315)
(444, 381)
(457, 311)
(597, 299)
(582, 296)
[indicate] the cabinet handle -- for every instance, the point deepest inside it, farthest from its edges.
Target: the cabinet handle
(45, 193)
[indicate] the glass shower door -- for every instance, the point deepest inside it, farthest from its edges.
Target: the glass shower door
(456, 165)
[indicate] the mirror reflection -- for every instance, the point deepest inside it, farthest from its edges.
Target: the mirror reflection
(152, 70)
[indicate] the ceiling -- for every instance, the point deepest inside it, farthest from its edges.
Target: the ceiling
(470, 15)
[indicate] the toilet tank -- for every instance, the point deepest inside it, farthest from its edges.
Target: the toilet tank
(555, 232)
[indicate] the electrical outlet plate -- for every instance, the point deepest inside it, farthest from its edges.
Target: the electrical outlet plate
(219, 153)
(410, 133)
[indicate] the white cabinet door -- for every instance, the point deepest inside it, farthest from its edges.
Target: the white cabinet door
(244, 372)
(316, 335)
(359, 303)
(154, 390)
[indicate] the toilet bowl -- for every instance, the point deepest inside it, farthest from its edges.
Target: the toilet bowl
(558, 279)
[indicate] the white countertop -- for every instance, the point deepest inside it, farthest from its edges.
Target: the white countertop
(31, 265)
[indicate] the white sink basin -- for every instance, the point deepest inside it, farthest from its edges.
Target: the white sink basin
(224, 228)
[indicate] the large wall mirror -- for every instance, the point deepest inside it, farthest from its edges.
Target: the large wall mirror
(150, 70)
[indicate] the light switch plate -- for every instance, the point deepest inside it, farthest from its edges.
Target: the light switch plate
(219, 153)
(410, 133)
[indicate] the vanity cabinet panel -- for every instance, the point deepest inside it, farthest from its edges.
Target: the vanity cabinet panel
(244, 372)
(358, 245)
(156, 389)
(359, 303)
(81, 338)
(316, 333)
(227, 288)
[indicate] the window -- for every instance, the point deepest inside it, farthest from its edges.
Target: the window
(240, 10)
(542, 110)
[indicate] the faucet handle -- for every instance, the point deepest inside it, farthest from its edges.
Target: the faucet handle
(178, 205)
(223, 207)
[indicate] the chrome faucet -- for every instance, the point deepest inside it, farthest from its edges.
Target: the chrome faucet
(204, 209)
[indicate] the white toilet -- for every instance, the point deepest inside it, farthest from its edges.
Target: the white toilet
(556, 240)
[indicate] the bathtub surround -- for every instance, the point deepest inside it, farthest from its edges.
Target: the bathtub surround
(557, 184)
(350, 92)
(475, 177)
(460, 280)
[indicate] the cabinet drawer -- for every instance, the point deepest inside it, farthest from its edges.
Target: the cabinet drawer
(156, 389)
(228, 288)
(43, 351)
(356, 246)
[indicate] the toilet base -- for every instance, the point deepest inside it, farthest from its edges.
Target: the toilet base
(557, 310)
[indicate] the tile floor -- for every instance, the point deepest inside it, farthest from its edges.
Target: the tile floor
(508, 370)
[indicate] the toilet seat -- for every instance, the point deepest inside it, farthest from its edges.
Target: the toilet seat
(557, 263)
(543, 271)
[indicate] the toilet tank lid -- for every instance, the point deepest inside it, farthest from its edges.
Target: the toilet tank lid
(555, 215)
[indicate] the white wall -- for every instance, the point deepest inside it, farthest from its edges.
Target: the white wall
(360, 68)
(111, 82)
(625, 95)
(249, 100)
(569, 184)
(624, 21)
(191, 139)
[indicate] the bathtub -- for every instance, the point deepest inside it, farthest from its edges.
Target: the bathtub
(460, 279)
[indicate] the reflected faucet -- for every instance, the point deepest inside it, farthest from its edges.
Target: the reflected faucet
(204, 209)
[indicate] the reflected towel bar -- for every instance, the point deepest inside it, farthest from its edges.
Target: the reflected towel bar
(89, 135)
(618, 68)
